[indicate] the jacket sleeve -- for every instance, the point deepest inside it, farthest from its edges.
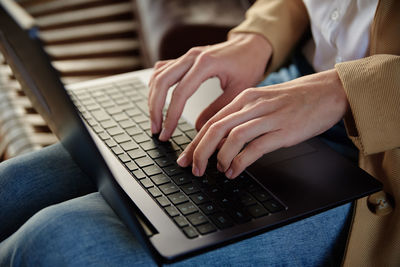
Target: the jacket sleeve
(281, 22)
(372, 86)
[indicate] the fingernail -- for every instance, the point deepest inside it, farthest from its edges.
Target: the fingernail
(163, 135)
(182, 160)
(219, 167)
(153, 128)
(228, 173)
(195, 171)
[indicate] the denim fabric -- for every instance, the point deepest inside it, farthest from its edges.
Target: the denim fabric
(51, 216)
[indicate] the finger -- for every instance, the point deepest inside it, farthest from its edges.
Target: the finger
(186, 158)
(216, 132)
(201, 70)
(242, 134)
(159, 67)
(160, 86)
(256, 149)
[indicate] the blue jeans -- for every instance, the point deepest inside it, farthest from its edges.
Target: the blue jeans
(51, 215)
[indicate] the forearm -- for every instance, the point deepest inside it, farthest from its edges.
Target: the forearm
(372, 86)
(281, 22)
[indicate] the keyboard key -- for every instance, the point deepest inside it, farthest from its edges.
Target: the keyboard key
(257, 211)
(127, 146)
(165, 202)
(262, 195)
(104, 136)
(181, 140)
(164, 162)
(120, 117)
(180, 221)
(239, 216)
(146, 182)
(206, 228)
(140, 118)
(117, 150)
(133, 112)
(148, 145)
(122, 138)
(185, 127)
(182, 179)
(139, 138)
(190, 232)
(136, 153)
(178, 198)
(131, 166)
(192, 134)
(114, 131)
(197, 218)
(247, 200)
(221, 220)
(208, 208)
(187, 208)
(100, 115)
(273, 205)
(127, 124)
(144, 161)
(172, 211)
(145, 125)
(124, 158)
(190, 189)
(110, 143)
(113, 110)
(155, 153)
(155, 192)
(169, 188)
(160, 179)
(199, 198)
(173, 170)
(152, 170)
(139, 174)
(133, 130)
(108, 124)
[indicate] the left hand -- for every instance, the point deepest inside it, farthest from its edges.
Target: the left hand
(266, 119)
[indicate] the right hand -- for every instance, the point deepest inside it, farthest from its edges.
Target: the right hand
(239, 63)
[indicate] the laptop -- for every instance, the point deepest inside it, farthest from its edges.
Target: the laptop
(104, 125)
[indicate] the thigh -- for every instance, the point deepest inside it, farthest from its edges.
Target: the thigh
(36, 180)
(86, 232)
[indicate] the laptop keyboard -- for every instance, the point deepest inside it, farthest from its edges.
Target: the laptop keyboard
(118, 113)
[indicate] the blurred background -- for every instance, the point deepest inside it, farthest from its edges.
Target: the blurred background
(89, 39)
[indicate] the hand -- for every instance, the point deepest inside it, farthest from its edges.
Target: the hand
(238, 63)
(267, 118)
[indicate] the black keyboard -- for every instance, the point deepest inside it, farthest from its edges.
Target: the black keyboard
(118, 113)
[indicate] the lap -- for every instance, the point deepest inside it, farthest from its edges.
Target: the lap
(36, 180)
(85, 232)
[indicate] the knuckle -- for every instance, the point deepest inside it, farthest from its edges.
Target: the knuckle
(204, 58)
(194, 51)
(238, 135)
(215, 129)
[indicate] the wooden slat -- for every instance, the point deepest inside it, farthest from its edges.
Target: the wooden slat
(93, 49)
(77, 17)
(97, 66)
(89, 32)
(62, 6)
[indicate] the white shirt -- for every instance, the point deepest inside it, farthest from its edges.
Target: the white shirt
(340, 30)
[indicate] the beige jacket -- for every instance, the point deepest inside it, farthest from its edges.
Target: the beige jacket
(372, 85)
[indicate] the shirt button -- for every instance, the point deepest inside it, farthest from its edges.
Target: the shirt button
(380, 203)
(335, 15)
(338, 59)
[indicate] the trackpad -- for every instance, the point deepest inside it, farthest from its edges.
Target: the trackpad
(284, 154)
